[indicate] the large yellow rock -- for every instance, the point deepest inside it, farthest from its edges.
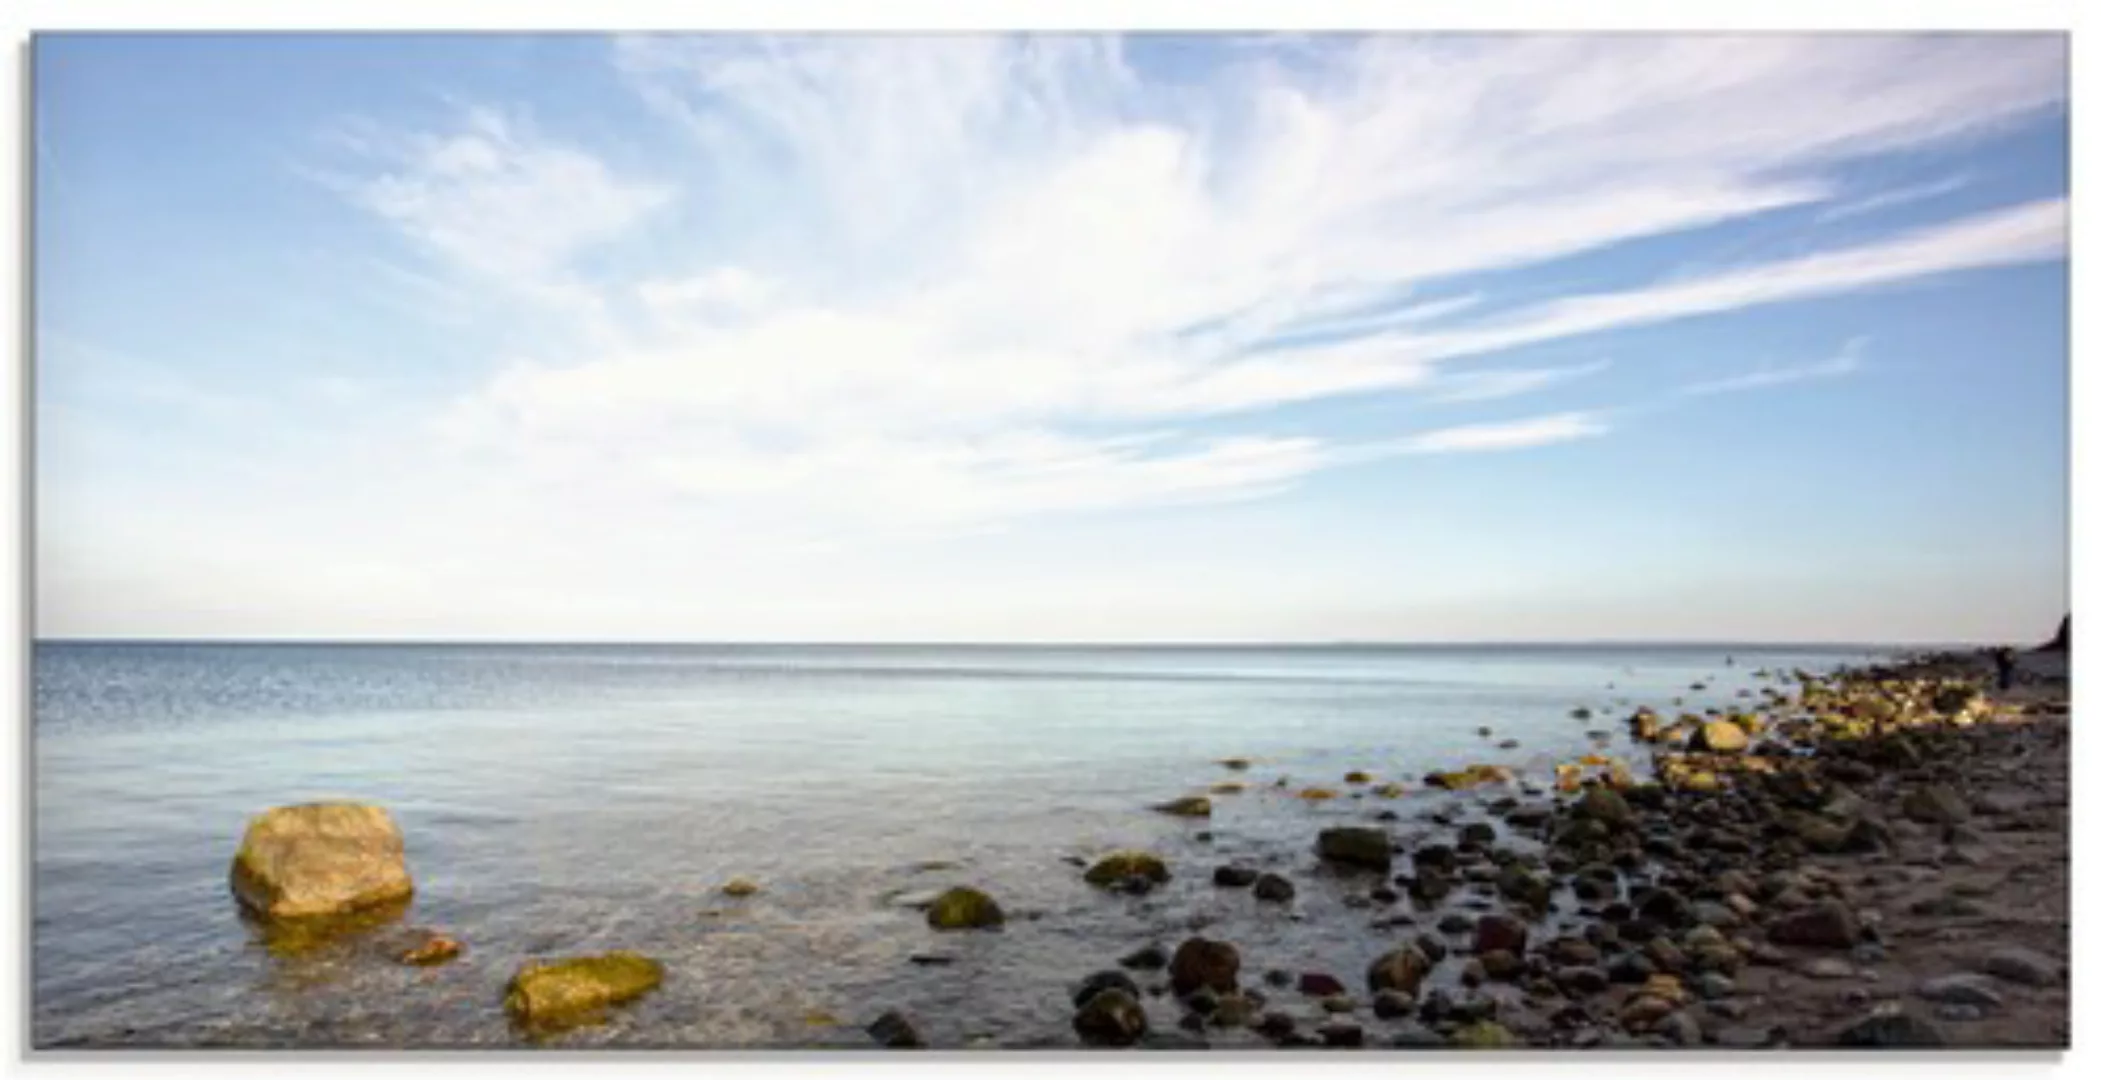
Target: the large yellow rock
(320, 859)
(558, 994)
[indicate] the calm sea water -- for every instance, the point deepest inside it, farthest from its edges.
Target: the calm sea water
(567, 798)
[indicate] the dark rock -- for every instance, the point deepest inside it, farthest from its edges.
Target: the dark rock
(1936, 804)
(1186, 806)
(1494, 932)
(894, 1029)
(1401, 969)
(1890, 1026)
(1392, 1004)
(1827, 925)
(1274, 888)
(1104, 980)
(1150, 957)
(1200, 962)
(1320, 984)
(1341, 1033)
(1357, 846)
(1110, 1018)
(1961, 989)
(2025, 966)
(1235, 877)
(1477, 833)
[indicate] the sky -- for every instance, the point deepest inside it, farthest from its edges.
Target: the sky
(1010, 338)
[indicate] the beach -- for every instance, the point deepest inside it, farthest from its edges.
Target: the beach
(1639, 908)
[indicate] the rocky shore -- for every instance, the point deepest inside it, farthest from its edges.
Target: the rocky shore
(1872, 858)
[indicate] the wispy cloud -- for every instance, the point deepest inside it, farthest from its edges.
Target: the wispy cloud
(1846, 362)
(1897, 196)
(1473, 386)
(1507, 435)
(953, 278)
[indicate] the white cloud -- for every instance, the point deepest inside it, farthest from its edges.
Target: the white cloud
(1510, 435)
(1846, 362)
(974, 278)
(1471, 386)
(1898, 196)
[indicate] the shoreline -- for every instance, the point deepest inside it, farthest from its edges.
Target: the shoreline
(1613, 932)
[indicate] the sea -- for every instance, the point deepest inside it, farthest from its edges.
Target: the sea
(559, 800)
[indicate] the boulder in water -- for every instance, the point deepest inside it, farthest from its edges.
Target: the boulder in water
(964, 908)
(557, 994)
(320, 860)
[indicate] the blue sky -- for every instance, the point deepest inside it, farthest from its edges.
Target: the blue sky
(978, 337)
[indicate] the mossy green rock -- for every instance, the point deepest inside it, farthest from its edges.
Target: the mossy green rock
(321, 860)
(552, 995)
(1186, 806)
(1118, 865)
(964, 908)
(1484, 1035)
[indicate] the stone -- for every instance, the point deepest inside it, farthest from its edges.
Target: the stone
(896, 1031)
(1235, 877)
(1353, 845)
(1401, 969)
(1484, 1035)
(1274, 888)
(1200, 962)
(1104, 980)
(1186, 806)
(1936, 804)
(1966, 988)
(1524, 886)
(1110, 1018)
(1499, 932)
(1341, 1033)
(1116, 866)
(436, 949)
(1827, 925)
(1478, 833)
(557, 994)
(1356, 776)
(1237, 764)
(1828, 967)
(1320, 984)
(1720, 737)
(1605, 806)
(1392, 1004)
(1151, 957)
(2025, 966)
(740, 887)
(321, 860)
(964, 908)
(1890, 1025)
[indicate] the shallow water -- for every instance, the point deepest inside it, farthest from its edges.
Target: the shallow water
(558, 799)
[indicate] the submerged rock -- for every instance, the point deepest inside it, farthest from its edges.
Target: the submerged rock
(1111, 1017)
(1102, 981)
(320, 860)
(895, 1030)
(1235, 877)
(560, 994)
(1118, 865)
(1202, 963)
(1401, 970)
(1357, 846)
(437, 949)
(1186, 806)
(1274, 888)
(740, 887)
(964, 908)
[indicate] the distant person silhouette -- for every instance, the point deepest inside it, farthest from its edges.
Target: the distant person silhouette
(2002, 658)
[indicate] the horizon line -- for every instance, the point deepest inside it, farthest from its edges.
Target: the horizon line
(1164, 643)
